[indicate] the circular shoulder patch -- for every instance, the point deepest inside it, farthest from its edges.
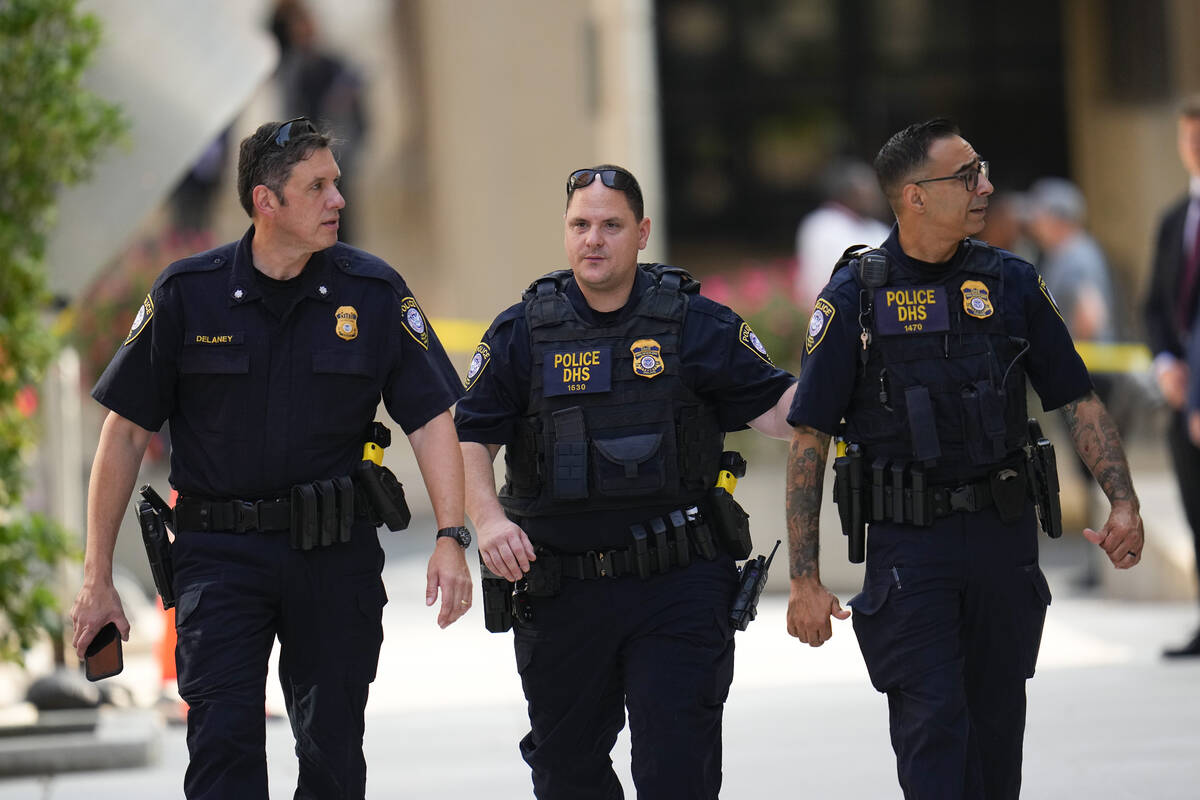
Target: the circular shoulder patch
(414, 321)
(750, 339)
(483, 355)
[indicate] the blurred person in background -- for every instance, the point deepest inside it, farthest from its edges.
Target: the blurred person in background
(848, 216)
(269, 357)
(1169, 314)
(1005, 226)
(322, 86)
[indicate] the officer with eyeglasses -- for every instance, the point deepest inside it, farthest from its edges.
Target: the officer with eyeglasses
(916, 358)
(611, 385)
(268, 357)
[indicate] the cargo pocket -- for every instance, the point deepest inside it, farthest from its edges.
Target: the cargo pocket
(367, 636)
(189, 641)
(1036, 593)
(874, 627)
(630, 466)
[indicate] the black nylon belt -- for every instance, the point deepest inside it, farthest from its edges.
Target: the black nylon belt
(238, 516)
(616, 563)
(968, 497)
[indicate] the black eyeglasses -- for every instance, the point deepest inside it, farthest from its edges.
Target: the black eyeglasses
(300, 126)
(617, 179)
(970, 177)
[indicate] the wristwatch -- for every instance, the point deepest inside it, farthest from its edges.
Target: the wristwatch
(458, 533)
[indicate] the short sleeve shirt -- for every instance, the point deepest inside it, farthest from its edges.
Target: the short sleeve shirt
(258, 399)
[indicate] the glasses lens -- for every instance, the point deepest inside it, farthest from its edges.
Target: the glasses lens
(614, 179)
(298, 126)
(580, 178)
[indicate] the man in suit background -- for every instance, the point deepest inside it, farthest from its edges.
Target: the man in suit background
(1170, 311)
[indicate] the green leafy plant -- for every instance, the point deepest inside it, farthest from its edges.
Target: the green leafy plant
(53, 130)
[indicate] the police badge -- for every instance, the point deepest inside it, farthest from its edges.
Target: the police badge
(347, 322)
(647, 358)
(975, 300)
(141, 320)
(414, 321)
(483, 354)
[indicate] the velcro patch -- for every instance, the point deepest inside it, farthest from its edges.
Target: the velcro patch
(482, 357)
(747, 337)
(818, 323)
(577, 372)
(911, 309)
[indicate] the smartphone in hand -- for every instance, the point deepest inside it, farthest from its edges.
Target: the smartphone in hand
(103, 658)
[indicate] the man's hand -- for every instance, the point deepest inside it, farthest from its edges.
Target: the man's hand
(448, 571)
(810, 608)
(505, 548)
(1122, 536)
(1172, 382)
(96, 606)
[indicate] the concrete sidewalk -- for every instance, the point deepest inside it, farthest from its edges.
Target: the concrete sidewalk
(1108, 718)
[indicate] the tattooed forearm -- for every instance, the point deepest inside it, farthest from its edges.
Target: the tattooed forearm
(1098, 443)
(805, 480)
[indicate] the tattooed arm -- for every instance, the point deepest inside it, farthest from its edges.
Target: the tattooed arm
(810, 605)
(1099, 445)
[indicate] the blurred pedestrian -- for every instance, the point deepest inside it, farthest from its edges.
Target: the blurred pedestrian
(1005, 226)
(1169, 314)
(269, 357)
(848, 215)
(923, 348)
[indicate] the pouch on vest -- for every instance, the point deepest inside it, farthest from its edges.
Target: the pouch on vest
(569, 478)
(922, 424)
(629, 466)
(983, 421)
(1009, 490)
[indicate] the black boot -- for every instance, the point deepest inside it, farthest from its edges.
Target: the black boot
(1189, 650)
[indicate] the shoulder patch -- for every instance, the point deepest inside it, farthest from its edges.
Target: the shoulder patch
(818, 324)
(479, 362)
(141, 320)
(1046, 293)
(414, 321)
(748, 338)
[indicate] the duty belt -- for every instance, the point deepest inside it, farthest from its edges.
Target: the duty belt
(238, 516)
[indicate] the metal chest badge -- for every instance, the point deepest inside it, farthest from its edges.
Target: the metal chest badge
(647, 358)
(975, 300)
(414, 321)
(347, 322)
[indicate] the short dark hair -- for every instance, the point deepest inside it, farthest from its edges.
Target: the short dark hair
(262, 160)
(632, 191)
(907, 151)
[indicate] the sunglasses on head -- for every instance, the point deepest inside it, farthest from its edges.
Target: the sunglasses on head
(300, 126)
(617, 179)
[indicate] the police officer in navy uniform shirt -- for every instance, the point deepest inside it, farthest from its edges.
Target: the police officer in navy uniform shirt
(927, 368)
(268, 357)
(611, 386)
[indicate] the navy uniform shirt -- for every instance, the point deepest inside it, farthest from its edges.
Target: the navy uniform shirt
(830, 364)
(267, 386)
(721, 360)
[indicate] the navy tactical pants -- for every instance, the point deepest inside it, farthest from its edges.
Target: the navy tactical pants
(949, 622)
(663, 648)
(236, 593)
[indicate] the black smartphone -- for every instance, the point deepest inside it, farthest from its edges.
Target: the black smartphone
(103, 658)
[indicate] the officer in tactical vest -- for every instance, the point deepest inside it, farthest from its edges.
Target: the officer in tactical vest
(611, 385)
(269, 357)
(917, 358)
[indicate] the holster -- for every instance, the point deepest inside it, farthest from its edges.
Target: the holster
(384, 495)
(729, 522)
(1043, 481)
(497, 600)
(158, 545)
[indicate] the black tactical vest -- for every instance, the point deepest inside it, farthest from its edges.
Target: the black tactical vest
(609, 423)
(943, 384)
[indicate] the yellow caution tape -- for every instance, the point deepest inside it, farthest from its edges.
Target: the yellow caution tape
(459, 335)
(1114, 357)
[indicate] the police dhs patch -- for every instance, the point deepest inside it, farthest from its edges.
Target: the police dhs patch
(141, 320)
(976, 302)
(483, 354)
(347, 322)
(818, 324)
(647, 358)
(414, 321)
(1046, 293)
(747, 337)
